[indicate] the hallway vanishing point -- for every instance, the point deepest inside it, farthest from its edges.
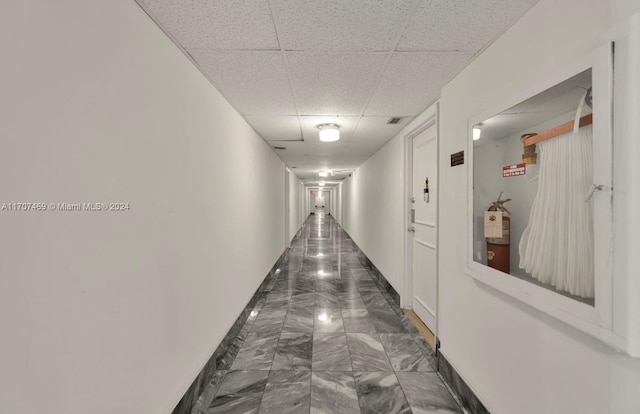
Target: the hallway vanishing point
(326, 339)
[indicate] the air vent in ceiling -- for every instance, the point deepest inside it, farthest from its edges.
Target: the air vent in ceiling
(280, 148)
(394, 120)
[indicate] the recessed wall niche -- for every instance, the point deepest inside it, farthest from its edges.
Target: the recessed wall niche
(533, 204)
(591, 191)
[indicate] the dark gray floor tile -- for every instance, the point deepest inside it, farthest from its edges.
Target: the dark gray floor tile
(298, 320)
(386, 321)
(269, 320)
(357, 321)
(327, 300)
(330, 352)
(374, 300)
(210, 390)
(328, 320)
(240, 393)
(287, 392)
(257, 352)
(380, 392)
(404, 352)
(333, 392)
(427, 393)
(367, 353)
(352, 303)
(294, 352)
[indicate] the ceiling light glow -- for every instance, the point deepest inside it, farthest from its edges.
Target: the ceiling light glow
(323, 173)
(329, 132)
(476, 132)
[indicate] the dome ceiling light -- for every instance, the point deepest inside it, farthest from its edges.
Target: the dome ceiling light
(329, 132)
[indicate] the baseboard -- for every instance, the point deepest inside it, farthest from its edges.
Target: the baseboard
(208, 379)
(376, 274)
(466, 396)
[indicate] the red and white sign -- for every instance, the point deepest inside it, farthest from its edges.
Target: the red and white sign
(514, 170)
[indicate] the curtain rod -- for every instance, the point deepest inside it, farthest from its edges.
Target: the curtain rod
(559, 130)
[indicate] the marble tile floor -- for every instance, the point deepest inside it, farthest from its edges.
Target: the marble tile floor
(326, 339)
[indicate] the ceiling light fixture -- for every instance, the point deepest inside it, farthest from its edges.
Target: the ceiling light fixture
(321, 184)
(329, 132)
(323, 173)
(477, 132)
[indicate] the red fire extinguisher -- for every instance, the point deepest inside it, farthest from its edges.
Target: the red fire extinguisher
(498, 248)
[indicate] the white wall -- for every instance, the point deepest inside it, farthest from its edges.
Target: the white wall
(372, 202)
(117, 312)
(516, 359)
(296, 209)
(338, 214)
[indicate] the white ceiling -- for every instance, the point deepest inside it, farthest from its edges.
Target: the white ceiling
(289, 65)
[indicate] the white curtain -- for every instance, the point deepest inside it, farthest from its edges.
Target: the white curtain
(557, 245)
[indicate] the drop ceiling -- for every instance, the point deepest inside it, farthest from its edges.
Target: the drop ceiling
(289, 65)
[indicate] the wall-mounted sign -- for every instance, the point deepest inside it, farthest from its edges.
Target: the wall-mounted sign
(457, 158)
(514, 170)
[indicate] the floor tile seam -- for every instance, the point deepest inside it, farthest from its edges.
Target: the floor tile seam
(387, 354)
(263, 392)
(456, 398)
(403, 391)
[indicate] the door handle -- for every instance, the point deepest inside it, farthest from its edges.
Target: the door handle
(411, 229)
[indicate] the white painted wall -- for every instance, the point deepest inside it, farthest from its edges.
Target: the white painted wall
(296, 200)
(117, 312)
(338, 215)
(372, 200)
(516, 359)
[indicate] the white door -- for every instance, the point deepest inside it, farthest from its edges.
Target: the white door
(425, 168)
(320, 204)
(327, 202)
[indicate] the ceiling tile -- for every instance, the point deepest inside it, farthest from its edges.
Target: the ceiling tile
(332, 84)
(309, 165)
(255, 83)
(375, 130)
(293, 148)
(276, 128)
(326, 148)
(310, 129)
(461, 25)
(412, 81)
(338, 25)
(207, 24)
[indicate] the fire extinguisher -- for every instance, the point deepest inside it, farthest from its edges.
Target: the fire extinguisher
(498, 248)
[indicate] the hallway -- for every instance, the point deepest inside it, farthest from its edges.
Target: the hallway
(326, 340)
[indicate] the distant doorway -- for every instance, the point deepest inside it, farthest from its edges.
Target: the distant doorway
(321, 202)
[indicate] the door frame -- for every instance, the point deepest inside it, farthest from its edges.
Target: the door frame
(406, 285)
(287, 208)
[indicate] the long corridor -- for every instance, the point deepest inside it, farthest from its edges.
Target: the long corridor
(326, 339)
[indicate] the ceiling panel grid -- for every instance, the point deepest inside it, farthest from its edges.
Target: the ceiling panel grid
(289, 65)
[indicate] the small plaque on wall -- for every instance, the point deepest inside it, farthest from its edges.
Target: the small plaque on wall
(457, 158)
